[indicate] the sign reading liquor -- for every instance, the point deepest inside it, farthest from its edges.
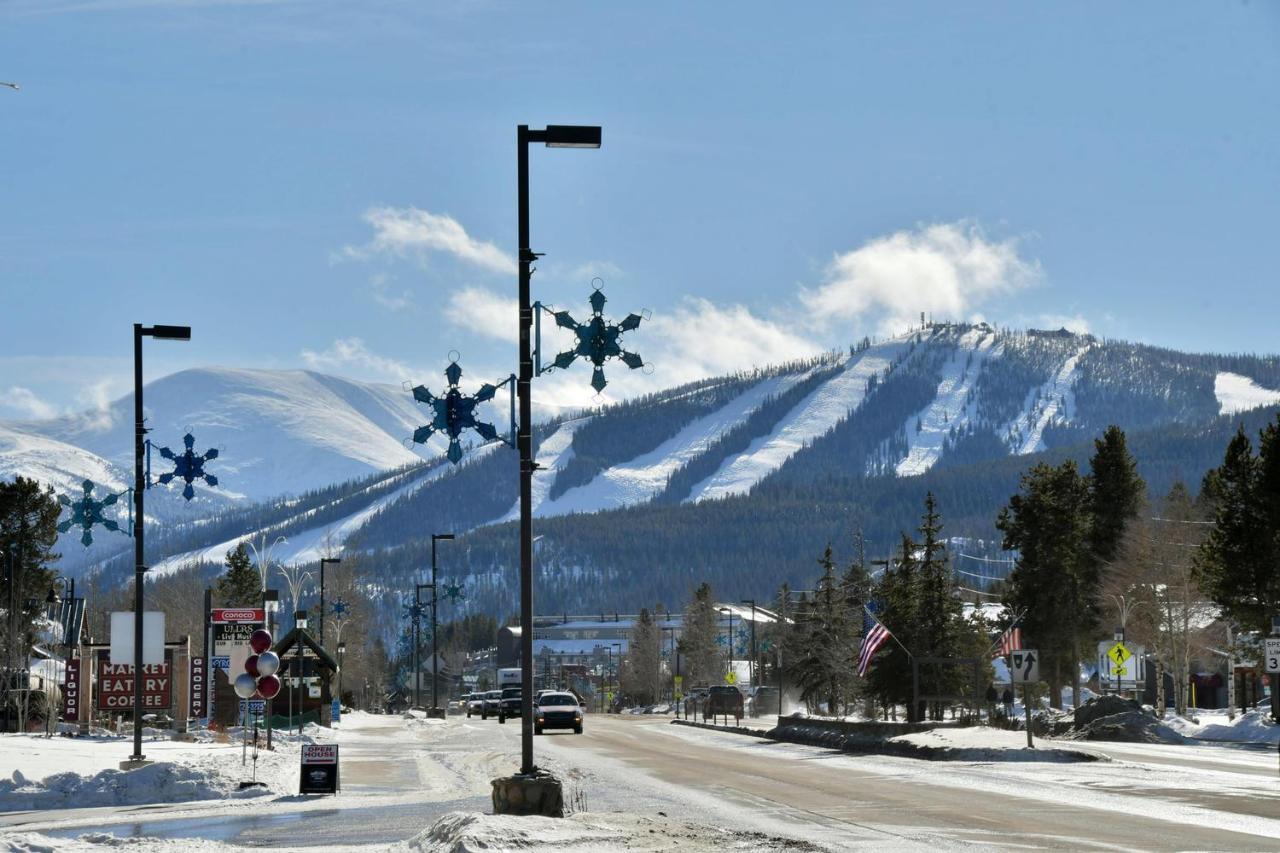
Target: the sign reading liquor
(232, 628)
(199, 692)
(115, 684)
(71, 692)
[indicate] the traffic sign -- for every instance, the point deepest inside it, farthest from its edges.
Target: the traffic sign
(1272, 655)
(1118, 654)
(731, 678)
(1024, 666)
(679, 681)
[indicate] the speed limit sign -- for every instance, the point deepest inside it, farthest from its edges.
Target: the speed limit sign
(1272, 655)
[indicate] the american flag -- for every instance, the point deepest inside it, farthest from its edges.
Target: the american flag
(1010, 640)
(873, 637)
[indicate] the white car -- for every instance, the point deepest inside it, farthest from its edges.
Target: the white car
(557, 711)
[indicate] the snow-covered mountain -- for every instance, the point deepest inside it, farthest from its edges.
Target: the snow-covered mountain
(943, 396)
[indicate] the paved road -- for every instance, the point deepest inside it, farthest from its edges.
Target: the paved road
(398, 778)
(1112, 805)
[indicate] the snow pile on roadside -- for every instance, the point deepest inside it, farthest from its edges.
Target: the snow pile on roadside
(982, 743)
(470, 832)
(162, 782)
(31, 842)
(1250, 727)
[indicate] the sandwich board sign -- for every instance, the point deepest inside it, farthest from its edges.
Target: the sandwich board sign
(1024, 666)
(319, 769)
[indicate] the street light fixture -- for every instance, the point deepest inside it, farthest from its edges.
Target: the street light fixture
(435, 711)
(554, 136)
(164, 333)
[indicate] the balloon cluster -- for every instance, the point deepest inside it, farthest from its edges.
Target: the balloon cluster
(259, 681)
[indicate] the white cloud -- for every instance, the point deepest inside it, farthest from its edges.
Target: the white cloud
(486, 313)
(946, 269)
(401, 231)
(25, 403)
(378, 286)
(351, 354)
(1071, 322)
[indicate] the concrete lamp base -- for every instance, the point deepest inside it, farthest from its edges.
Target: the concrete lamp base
(134, 763)
(536, 794)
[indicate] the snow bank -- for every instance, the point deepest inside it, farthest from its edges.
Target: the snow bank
(30, 842)
(982, 743)
(161, 782)
(1238, 393)
(1249, 727)
(470, 832)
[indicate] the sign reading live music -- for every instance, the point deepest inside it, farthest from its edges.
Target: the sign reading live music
(71, 692)
(115, 684)
(198, 704)
(232, 628)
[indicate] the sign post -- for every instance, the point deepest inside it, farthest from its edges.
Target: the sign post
(1024, 668)
(71, 692)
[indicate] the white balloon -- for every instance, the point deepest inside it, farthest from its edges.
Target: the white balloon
(245, 685)
(268, 663)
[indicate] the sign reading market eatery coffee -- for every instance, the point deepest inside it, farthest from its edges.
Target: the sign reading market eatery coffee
(115, 684)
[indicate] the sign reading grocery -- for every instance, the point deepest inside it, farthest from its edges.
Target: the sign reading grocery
(199, 692)
(115, 684)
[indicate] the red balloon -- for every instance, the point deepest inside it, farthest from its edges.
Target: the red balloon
(251, 665)
(260, 641)
(268, 686)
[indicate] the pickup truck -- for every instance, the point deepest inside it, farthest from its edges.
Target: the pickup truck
(723, 701)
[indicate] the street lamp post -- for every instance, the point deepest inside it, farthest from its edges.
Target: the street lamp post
(755, 657)
(554, 136)
(170, 333)
(323, 560)
(435, 651)
(417, 643)
(342, 652)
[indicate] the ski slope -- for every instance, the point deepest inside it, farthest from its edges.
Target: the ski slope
(554, 452)
(815, 415)
(928, 429)
(1238, 393)
(1053, 402)
(640, 479)
(309, 545)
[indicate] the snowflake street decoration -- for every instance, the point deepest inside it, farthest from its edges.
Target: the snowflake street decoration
(414, 611)
(766, 644)
(453, 591)
(87, 512)
(721, 640)
(598, 340)
(455, 412)
(339, 609)
(189, 466)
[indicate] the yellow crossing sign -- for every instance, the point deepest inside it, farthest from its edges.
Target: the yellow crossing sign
(731, 678)
(1119, 654)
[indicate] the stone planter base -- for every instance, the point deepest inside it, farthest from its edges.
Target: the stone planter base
(436, 713)
(539, 794)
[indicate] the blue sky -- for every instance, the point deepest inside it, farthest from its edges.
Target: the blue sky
(331, 185)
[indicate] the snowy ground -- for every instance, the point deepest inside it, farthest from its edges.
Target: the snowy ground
(1250, 727)
(1238, 393)
(636, 782)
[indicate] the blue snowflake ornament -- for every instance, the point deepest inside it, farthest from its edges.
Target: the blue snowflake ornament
(598, 340)
(453, 591)
(455, 412)
(87, 512)
(189, 466)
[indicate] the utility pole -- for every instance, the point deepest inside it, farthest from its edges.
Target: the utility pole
(754, 654)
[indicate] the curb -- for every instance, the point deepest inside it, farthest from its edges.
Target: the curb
(765, 734)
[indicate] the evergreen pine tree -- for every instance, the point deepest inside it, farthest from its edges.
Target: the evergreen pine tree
(698, 648)
(896, 604)
(941, 613)
(1236, 565)
(824, 669)
(1116, 493)
(240, 585)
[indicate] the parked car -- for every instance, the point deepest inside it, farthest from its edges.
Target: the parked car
(764, 701)
(474, 704)
(723, 701)
(509, 703)
(490, 706)
(558, 711)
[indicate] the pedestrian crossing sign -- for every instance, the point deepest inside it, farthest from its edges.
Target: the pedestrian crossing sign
(1119, 654)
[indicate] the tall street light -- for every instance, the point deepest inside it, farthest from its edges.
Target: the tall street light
(435, 711)
(554, 136)
(755, 658)
(166, 333)
(323, 560)
(417, 643)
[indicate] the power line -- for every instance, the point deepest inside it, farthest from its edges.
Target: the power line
(985, 559)
(1180, 521)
